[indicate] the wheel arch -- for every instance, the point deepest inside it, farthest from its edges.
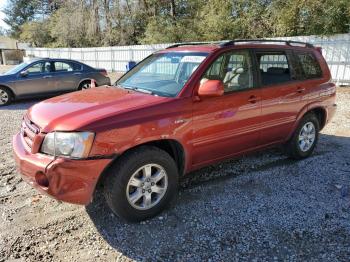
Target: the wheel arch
(10, 89)
(84, 80)
(321, 114)
(319, 111)
(173, 147)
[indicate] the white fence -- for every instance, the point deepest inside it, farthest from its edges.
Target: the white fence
(336, 50)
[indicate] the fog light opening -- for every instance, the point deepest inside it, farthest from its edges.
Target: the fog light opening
(41, 179)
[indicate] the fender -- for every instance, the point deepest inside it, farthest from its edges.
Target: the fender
(12, 90)
(149, 140)
(307, 108)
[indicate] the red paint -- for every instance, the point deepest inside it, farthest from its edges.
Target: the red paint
(210, 126)
(211, 88)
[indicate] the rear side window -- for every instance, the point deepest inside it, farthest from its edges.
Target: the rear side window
(274, 67)
(76, 66)
(63, 67)
(309, 65)
(66, 66)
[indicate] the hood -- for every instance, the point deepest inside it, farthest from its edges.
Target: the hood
(74, 110)
(5, 78)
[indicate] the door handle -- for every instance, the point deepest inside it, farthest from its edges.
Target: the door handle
(77, 73)
(300, 89)
(253, 99)
(47, 76)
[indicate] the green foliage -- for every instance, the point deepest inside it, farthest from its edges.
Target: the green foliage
(36, 32)
(83, 23)
(67, 26)
(19, 12)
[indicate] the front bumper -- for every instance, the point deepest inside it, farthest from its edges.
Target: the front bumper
(68, 180)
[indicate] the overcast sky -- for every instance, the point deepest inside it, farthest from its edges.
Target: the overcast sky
(2, 15)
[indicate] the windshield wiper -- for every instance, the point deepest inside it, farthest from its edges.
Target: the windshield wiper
(138, 89)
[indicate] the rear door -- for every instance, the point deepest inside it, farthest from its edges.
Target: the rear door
(229, 124)
(37, 80)
(283, 94)
(67, 75)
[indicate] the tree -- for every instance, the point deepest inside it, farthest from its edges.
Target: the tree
(173, 21)
(320, 17)
(3, 31)
(36, 33)
(68, 26)
(18, 12)
(85, 23)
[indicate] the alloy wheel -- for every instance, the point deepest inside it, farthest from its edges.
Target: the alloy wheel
(86, 86)
(307, 136)
(147, 186)
(4, 97)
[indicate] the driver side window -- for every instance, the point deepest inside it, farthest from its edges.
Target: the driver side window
(39, 68)
(234, 69)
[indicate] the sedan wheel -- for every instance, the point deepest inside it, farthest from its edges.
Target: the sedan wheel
(86, 85)
(4, 97)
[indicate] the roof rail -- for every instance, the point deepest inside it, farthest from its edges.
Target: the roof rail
(233, 42)
(287, 42)
(194, 43)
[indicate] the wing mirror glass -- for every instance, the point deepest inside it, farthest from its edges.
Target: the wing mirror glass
(24, 73)
(211, 88)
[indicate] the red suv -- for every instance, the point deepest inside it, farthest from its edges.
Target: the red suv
(182, 108)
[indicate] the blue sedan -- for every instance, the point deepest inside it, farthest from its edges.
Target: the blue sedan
(46, 77)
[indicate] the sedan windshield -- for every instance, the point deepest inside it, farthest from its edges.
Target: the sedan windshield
(162, 74)
(16, 69)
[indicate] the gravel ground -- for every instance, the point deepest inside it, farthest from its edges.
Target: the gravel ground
(262, 207)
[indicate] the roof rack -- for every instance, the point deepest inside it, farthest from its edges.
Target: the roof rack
(287, 42)
(233, 42)
(194, 43)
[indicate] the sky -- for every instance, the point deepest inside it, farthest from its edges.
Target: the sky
(2, 15)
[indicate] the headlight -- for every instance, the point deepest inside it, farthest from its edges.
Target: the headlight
(68, 144)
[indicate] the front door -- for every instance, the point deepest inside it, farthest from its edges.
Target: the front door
(229, 124)
(36, 80)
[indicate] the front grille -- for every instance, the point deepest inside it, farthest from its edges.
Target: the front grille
(29, 131)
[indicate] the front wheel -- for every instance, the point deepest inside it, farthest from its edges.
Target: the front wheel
(5, 96)
(141, 183)
(305, 137)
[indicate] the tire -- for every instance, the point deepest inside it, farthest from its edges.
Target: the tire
(296, 147)
(85, 85)
(6, 96)
(120, 192)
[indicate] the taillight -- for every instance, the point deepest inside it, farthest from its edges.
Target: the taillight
(319, 49)
(104, 72)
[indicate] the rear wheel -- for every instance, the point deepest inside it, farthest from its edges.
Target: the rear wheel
(305, 137)
(141, 183)
(6, 96)
(85, 85)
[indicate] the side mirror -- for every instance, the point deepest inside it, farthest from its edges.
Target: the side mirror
(24, 73)
(211, 88)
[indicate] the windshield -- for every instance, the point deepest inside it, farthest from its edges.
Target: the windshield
(17, 69)
(162, 74)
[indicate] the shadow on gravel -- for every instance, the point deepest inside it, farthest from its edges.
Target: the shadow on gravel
(164, 232)
(22, 104)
